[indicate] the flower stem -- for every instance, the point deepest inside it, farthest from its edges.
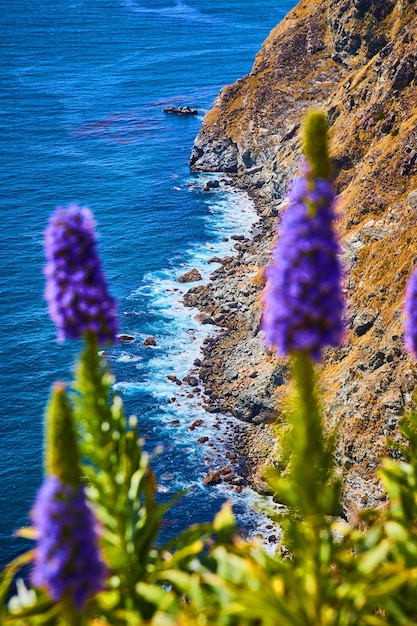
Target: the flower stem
(307, 435)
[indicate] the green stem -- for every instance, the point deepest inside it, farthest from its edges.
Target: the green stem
(307, 435)
(111, 455)
(306, 446)
(61, 450)
(70, 616)
(93, 411)
(312, 479)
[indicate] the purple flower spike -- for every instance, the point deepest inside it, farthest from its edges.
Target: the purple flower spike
(303, 299)
(410, 310)
(67, 558)
(76, 289)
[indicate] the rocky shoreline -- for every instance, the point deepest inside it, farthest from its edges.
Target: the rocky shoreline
(242, 379)
(238, 374)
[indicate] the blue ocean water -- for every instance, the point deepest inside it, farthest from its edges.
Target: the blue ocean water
(83, 87)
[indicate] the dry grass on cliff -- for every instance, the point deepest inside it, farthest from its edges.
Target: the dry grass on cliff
(357, 61)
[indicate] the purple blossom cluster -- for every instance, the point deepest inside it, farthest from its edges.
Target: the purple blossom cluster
(410, 310)
(76, 289)
(303, 299)
(67, 558)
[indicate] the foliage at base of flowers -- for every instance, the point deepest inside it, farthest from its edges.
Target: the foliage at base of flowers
(97, 559)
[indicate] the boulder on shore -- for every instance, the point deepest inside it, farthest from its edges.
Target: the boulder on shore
(190, 277)
(211, 184)
(204, 318)
(191, 380)
(212, 478)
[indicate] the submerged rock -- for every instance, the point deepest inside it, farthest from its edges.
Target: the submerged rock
(173, 379)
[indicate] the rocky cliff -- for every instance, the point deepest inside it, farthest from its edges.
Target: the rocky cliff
(356, 60)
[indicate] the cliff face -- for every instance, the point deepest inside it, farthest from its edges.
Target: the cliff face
(357, 60)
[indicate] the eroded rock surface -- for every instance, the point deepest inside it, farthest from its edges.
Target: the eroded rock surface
(357, 60)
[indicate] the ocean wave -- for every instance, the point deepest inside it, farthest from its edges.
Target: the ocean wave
(176, 413)
(176, 10)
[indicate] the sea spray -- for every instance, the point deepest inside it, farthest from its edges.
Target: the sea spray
(156, 308)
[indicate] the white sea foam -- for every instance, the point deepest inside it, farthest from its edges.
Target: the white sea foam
(178, 333)
(127, 357)
(179, 337)
(257, 517)
(180, 10)
(127, 387)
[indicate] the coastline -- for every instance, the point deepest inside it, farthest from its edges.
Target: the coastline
(239, 376)
(326, 56)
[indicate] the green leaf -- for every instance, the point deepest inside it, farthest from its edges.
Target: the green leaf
(224, 524)
(10, 572)
(373, 559)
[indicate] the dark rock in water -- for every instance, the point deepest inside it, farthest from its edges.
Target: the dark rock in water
(202, 440)
(185, 110)
(238, 237)
(196, 423)
(150, 341)
(211, 184)
(213, 409)
(212, 478)
(126, 338)
(174, 379)
(191, 380)
(190, 277)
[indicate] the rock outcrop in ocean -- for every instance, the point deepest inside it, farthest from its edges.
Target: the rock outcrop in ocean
(357, 61)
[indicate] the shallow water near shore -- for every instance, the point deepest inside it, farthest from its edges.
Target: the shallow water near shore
(84, 87)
